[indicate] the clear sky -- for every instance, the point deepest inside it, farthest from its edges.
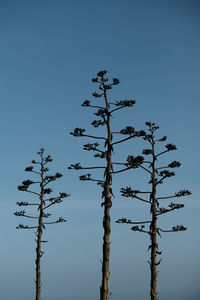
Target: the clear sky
(49, 52)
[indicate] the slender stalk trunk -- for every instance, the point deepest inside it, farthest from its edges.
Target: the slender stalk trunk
(37, 262)
(39, 239)
(104, 291)
(154, 245)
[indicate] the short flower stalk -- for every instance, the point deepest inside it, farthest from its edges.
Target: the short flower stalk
(42, 204)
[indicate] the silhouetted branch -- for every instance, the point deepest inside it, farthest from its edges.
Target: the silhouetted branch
(170, 147)
(145, 169)
(92, 147)
(136, 134)
(87, 177)
(22, 214)
(26, 204)
(165, 174)
(136, 228)
(21, 226)
(172, 206)
(125, 221)
(175, 229)
(123, 104)
(77, 166)
(122, 170)
(56, 201)
(86, 103)
(32, 192)
(181, 193)
(174, 164)
(60, 220)
(128, 192)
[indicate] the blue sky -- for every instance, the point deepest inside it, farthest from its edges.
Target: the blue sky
(49, 52)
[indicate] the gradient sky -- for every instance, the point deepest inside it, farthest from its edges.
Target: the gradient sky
(49, 52)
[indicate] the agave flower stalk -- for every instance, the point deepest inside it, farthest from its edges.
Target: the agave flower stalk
(158, 174)
(42, 204)
(105, 111)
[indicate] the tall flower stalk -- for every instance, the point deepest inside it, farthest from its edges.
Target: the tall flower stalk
(105, 151)
(158, 174)
(42, 204)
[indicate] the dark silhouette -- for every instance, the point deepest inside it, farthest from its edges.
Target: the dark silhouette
(105, 112)
(42, 204)
(157, 176)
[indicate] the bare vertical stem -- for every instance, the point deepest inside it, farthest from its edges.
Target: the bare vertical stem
(153, 229)
(39, 233)
(104, 291)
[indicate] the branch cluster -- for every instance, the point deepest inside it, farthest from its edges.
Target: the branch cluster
(42, 204)
(134, 161)
(156, 210)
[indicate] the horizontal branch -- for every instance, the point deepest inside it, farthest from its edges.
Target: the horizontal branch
(174, 229)
(26, 204)
(32, 192)
(167, 197)
(60, 220)
(97, 180)
(89, 168)
(139, 192)
(166, 167)
(172, 206)
(87, 177)
(46, 223)
(31, 217)
(98, 150)
(94, 137)
(128, 192)
(20, 226)
(161, 153)
(170, 147)
(136, 228)
(123, 140)
(117, 109)
(95, 106)
(122, 170)
(57, 199)
(141, 199)
(124, 220)
(22, 214)
(35, 172)
(125, 163)
(52, 203)
(164, 175)
(166, 230)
